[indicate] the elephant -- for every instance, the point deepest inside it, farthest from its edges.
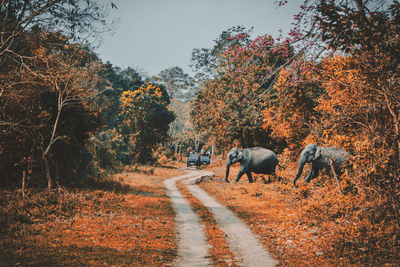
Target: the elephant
(254, 159)
(321, 158)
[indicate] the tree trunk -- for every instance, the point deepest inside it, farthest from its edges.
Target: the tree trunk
(181, 151)
(23, 185)
(53, 138)
(47, 171)
(396, 122)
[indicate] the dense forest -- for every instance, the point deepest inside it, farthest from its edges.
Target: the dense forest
(67, 117)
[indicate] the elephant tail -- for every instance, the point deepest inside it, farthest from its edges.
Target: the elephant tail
(283, 167)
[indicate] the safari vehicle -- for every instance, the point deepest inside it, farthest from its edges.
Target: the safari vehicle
(193, 159)
(205, 159)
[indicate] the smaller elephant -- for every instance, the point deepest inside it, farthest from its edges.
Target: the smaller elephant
(255, 159)
(320, 159)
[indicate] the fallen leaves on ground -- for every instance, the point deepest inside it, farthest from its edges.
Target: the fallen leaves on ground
(312, 224)
(126, 223)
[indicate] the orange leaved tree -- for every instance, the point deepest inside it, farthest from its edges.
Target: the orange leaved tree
(290, 114)
(145, 120)
(228, 107)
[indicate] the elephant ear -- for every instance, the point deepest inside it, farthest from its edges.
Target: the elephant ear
(234, 151)
(240, 155)
(317, 153)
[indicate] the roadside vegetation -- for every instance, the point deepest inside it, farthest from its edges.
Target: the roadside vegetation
(124, 220)
(85, 145)
(312, 224)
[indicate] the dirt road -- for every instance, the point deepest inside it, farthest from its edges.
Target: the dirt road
(193, 246)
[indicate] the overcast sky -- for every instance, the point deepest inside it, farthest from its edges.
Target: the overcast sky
(153, 35)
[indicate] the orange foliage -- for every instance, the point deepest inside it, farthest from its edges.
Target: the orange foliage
(358, 112)
(291, 112)
(349, 101)
(43, 95)
(228, 107)
(145, 116)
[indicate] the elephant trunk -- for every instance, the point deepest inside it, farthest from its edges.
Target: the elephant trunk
(228, 164)
(300, 170)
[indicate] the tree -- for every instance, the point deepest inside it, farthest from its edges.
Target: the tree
(228, 107)
(46, 75)
(116, 81)
(180, 87)
(367, 32)
(181, 131)
(73, 79)
(77, 19)
(360, 114)
(145, 118)
(291, 113)
(205, 61)
(371, 37)
(57, 76)
(178, 84)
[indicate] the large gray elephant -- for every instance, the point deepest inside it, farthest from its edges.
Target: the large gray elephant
(255, 159)
(320, 159)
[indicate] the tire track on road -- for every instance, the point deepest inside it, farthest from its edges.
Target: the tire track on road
(192, 244)
(244, 244)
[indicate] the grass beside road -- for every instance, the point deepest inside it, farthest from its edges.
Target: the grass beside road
(125, 221)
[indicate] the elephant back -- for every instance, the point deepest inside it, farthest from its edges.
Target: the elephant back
(338, 155)
(260, 156)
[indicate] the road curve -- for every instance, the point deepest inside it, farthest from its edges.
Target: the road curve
(241, 240)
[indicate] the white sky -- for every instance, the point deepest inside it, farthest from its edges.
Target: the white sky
(153, 35)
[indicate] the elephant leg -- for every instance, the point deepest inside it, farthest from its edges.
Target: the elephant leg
(309, 176)
(274, 175)
(313, 174)
(273, 171)
(240, 174)
(250, 177)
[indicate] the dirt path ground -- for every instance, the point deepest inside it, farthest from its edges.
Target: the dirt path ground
(244, 244)
(192, 246)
